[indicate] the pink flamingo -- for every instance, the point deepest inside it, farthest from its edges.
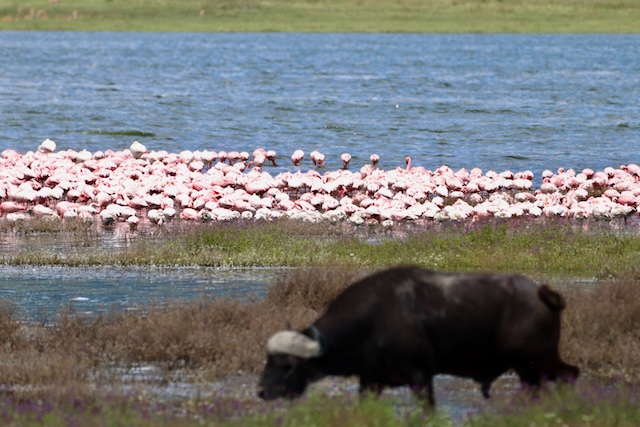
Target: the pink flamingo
(47, 146)
(259, 151)
(374, 159)
(233, 156)
(11, 207)
(138, 150)
(297, 157)
(407, 160)
(186, 156)
(259, 157)
(257, 161)
(317, 158)
(222, 156)
(189, 214)
(271, 156)
(208, 157)
(346, 158)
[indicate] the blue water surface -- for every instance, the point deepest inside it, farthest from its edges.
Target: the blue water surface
(491, 101)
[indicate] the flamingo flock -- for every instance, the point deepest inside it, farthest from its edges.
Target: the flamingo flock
(136, 184)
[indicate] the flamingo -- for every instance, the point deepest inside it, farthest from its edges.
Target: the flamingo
(186, 156)
(297, 157)
(133, 222)
(259, 151)
(83, 156)
(155, 216)
(189, 214)
(47, 146)
(407, 161)
(222, 156)
(317, 158)
(233, 156)
(208, 157)
(271, 156)
(138, 150)
(259, 157)
(108, 217)
(11, 207)
(346, 158)
(258, 161)
(374, 159)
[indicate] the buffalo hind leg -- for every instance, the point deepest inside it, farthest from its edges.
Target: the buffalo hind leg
(530, 379)
(562, 372)
(485, 386)
(556, 370)
(424, 392)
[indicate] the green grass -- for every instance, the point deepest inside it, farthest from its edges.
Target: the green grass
(530, 246)
(584, 407)
(419, 16)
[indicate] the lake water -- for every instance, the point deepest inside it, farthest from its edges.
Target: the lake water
(490, 101)
(41, 291)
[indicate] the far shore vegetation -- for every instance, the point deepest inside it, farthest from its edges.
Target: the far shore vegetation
(342, 16)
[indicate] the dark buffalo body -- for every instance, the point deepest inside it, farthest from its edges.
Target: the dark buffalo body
(404, 325)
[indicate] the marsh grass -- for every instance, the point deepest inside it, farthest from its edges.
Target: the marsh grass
(220, 337)
(68, 363)
(550, 246)
(602, 328)
(433, 16)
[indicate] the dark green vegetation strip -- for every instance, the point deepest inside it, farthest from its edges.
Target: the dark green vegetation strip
(430, 16)
(559, 247)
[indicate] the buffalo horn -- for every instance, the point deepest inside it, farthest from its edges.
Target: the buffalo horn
(293, 343)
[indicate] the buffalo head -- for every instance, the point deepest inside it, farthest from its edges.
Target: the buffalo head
(288, 371)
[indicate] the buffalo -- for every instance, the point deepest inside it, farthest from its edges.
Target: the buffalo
(404, 325)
